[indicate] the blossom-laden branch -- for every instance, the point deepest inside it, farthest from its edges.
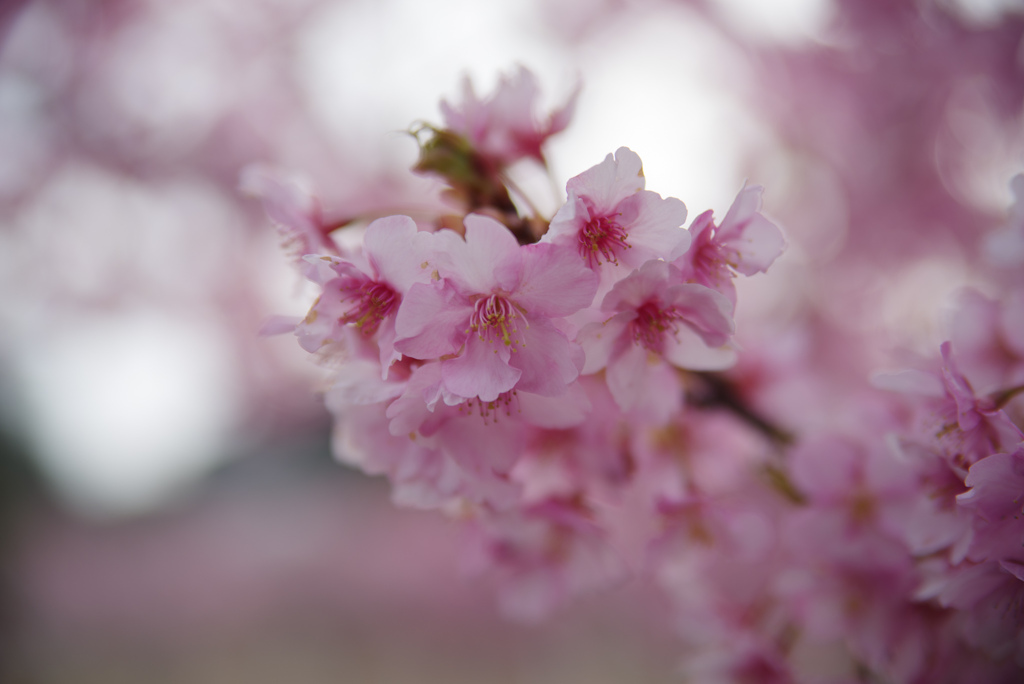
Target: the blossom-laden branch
(557, 382)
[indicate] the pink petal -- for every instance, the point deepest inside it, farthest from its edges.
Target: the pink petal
(292, 207)
(560, 118)
(483, 447)
(386, 343)
(321, 268)
(489, 257)
(626, 375)
(431, 321)
(638, 287)
(1015, 569)
(469, 120)
(555, 413)
(398, 252)
(359, 382)
(483, 370)
(407, 413)
(567, 222)
(825, 468)
(485, 452)
(662, 398)
(687, 350)
(705, 311)
(546, 360)
(761, 244)
(555, 281)
(997, 485)
(600, 341)
(756, 240)
(610, 182)
(655, 228)
(702, 224)
(279, 325)
(959, 389)
(746, 204)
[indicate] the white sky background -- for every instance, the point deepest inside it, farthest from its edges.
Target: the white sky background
(660, 82)
(127, 406)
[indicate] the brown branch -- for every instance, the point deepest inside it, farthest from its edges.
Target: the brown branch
(716, 391)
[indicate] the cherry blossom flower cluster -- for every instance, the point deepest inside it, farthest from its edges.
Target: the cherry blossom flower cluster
(572, 390)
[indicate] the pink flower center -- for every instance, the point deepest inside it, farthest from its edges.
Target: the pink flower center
(494, 318)
(713, 261)
(371, 303)
(602, 238)
(651, 324)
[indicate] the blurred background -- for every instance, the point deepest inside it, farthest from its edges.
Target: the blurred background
(169, 507)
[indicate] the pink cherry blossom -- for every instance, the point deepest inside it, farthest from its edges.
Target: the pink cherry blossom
(859, 489)
(420, 476)
(610, 218)
(578, 459)
(545, 555)
(988, 336)
(960, 425)
(504, 127)
(493, 317)
(745, 243)
(485, 439)
(534, 384)
(996, 495)
(364, 290)
(987, 598)
(292, 207)
(656, 319)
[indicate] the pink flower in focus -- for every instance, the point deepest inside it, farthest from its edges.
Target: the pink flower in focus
(745, 243)
(503, 127)
(657, 318)
(364, 290)
(493, 319)
(610, 219)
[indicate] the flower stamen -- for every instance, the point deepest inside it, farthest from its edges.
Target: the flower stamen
(651, 324)
(490, 411)
(602, 238)
(371, 303)
(494, 317)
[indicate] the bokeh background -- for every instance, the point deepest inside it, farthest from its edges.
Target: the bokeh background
(169, 507)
